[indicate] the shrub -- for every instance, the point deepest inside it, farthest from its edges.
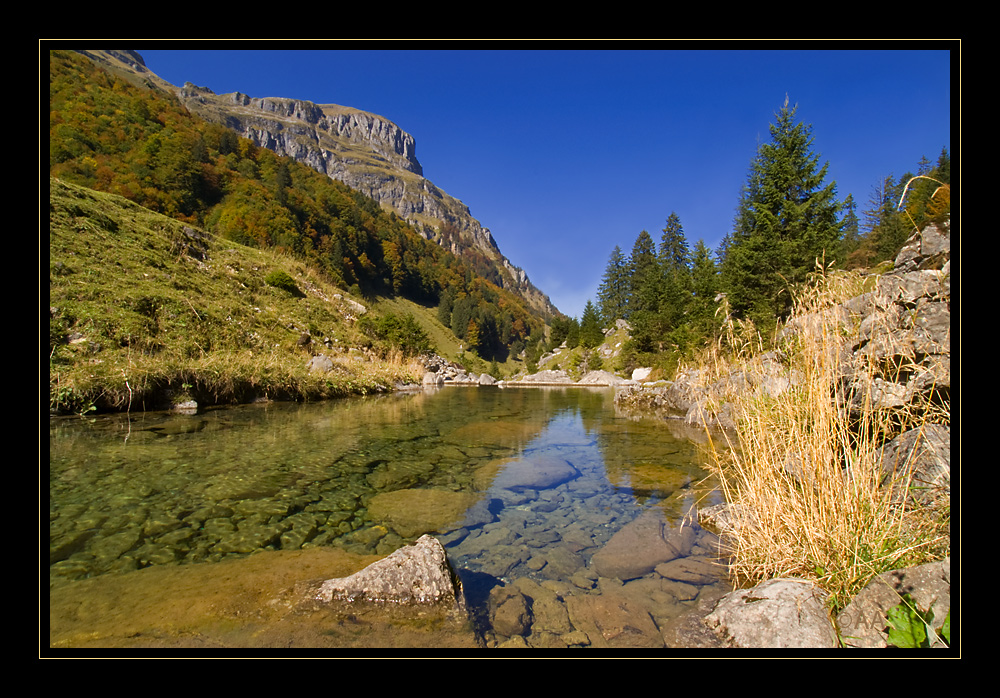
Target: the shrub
(281, 279)
(402, 333)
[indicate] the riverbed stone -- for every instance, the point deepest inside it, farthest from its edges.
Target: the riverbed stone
(547, 608)
(641, 545)
(613, 621)
(412, 512)
(510, 613)
(696, 570)
(535, 471)
(779, 613)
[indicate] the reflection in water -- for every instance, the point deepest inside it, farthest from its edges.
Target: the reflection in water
(522, 486)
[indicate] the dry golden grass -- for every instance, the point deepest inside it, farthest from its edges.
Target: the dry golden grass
(804, 466)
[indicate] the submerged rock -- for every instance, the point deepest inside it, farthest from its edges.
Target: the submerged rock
(643, 544)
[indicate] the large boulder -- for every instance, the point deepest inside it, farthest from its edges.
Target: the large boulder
(415, 575)
(778, 613)
(919, 462)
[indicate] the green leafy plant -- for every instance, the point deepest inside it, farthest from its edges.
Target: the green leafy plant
(909, 627)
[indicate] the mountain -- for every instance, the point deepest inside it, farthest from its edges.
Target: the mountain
(365, 151)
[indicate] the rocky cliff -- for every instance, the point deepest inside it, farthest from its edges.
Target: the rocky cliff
(367, 152)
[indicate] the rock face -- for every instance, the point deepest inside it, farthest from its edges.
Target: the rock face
(418, 574)
(365, 151)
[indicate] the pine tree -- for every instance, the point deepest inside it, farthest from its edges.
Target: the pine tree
(590, 327)
(675, 269)
(644, 276)
(704, 287)
(787, 219)
(612, 295)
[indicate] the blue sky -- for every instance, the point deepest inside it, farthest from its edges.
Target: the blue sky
(565, 153)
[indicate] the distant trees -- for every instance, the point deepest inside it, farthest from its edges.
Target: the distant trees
(898, 207)
(787, 219)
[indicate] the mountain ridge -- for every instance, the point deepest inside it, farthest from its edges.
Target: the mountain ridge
(366, 151)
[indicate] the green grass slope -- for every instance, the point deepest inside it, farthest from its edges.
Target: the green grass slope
(144, 310)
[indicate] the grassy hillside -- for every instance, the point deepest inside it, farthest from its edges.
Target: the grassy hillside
(143, 308)
(109, 135)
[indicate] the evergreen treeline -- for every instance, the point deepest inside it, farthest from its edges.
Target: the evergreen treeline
(788, 220)
(109, 135)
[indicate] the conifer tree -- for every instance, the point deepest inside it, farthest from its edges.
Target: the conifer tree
(612, 295)
(644, 293)
(675, 268)
(787, 219)
(644, 276)
(590, 327)
(704, 289)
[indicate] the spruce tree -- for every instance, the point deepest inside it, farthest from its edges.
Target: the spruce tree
(590, 327)
(644, 293)
(644, 276)
(787, 219)
(675, 269)
(612, 295)
(704, 289)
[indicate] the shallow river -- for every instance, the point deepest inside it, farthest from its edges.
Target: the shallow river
(522, 486)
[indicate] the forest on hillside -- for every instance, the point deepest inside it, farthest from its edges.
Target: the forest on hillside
(107, 134)
(788, 224)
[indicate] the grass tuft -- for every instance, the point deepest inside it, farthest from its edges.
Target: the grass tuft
(804, 469)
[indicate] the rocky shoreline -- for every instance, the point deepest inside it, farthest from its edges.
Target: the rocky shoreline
(906, 318)
(913, 302)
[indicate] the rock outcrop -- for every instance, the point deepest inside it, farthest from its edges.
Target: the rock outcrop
(365, 151)
(903, 327)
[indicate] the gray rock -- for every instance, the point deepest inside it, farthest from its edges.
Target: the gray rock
(778, 613)
(417, 574)
(600, 378)
(863, 622)
(547, 377)
(433, 378)
(921, 459)
(321, 363)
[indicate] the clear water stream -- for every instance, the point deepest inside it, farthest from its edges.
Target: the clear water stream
(368, 475)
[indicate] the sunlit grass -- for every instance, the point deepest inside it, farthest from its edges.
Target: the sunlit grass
(803, 467)
(135, 317)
